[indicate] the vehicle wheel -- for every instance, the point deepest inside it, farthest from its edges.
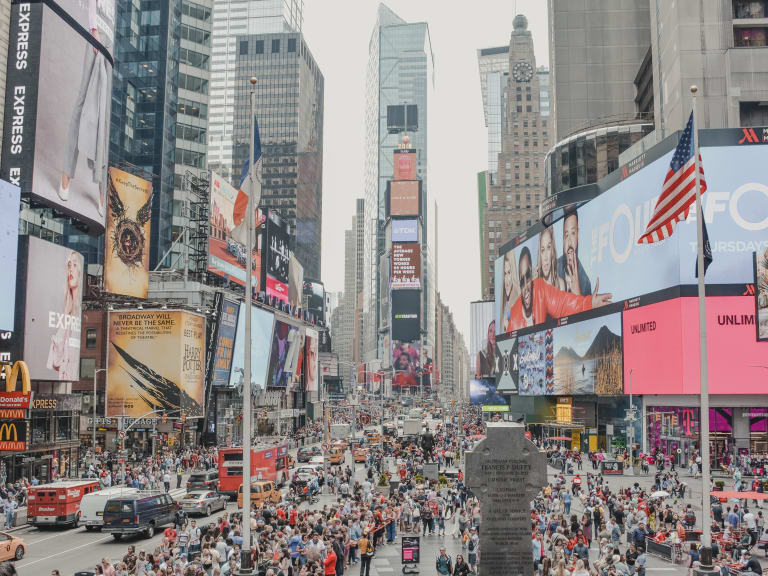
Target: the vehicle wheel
(208, 511)
(150, 531)
(89, 528)
(117, 537)
(19, 553)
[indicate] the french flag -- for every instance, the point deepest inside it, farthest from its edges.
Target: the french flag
(239, 233)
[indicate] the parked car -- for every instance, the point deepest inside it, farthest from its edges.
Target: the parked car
(208, 480)
(137, 514)
(11, 547)
(92, 505)
(306, 453)
(203, 502)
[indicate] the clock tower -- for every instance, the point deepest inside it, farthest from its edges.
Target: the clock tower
(512, 201)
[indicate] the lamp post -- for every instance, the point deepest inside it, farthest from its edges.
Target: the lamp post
(93, 420)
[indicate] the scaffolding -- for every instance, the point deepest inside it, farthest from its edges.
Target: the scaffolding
(197, 187)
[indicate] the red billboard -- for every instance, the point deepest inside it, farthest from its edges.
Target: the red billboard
(406, 265)
(403, 196)
(405, 165)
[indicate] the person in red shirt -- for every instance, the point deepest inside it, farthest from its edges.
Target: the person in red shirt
(171, 534)
(292, 515)
(329, 564)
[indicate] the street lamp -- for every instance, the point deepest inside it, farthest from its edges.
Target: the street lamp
(93, 420)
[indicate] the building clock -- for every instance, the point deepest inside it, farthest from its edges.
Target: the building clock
(522, 72)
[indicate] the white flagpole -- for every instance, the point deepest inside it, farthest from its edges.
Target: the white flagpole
(706, 533)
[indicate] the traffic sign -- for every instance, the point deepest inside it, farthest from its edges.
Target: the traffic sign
(121, 434)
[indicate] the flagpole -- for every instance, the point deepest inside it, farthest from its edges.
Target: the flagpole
(706, 532)
(245, 552)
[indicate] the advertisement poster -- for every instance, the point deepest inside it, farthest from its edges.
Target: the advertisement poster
(95, 16)
(406, 266)
(74, 93)
(228, 235)
(761, 293)
(329, 364)
(155, 359)
(225, 342)
(295, 281)
(591, 257)
(482, 392)
(315, 293)
(311, 361)
(588, 357)
(52, 315)
(482, 339)
(404, 197)
(285, 346)
(262, 323)
(405, 165)
(126, 251)
(534, 356)
(277, 258)
(406, 315)
(405, 230)
(406, 364)
(10, 202)
(507, 365)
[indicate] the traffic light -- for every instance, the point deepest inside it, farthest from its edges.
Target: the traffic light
(164, 419)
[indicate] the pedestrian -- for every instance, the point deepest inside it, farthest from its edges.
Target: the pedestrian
(461, 568)
(167, 480)
(179, 473)
(366, 554)
(472, 548)
(443, 563)
(9, 507)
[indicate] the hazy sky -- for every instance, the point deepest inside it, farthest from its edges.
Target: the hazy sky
(338, 32)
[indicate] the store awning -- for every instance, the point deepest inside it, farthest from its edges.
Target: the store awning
(728, 494)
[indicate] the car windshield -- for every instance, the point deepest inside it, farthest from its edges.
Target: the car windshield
(197, 478)
(195, 495)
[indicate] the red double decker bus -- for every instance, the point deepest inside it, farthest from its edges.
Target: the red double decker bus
(267, 463)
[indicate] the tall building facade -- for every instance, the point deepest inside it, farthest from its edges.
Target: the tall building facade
(289, 110)
(512, 202)
(400, 72)
(145, 85)
(233, 18)
(452, 357)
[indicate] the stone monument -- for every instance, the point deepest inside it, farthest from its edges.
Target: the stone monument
(506, 471)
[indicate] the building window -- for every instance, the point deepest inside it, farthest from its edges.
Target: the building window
(291, 44)
(527, 108)
(259, 48)
(243, 47)
(748, 9)
(90, 338)
(275, 45)
(87, 368)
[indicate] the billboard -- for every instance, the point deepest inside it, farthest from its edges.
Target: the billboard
(403, 198)
(225, 342)
(535, 369)
(661, 347)
(96, 16)
(482, 339)
(13, 435)
(405, 230)
(406, 315)
(286, 343)
(276, 258)
(228, 235)
(311, 360)
(58, 95)
(295, 281)
(482, 392)
(155, 359)
(52, 311)
(329, 364)
(261, 343)
(591, 256)
(507, 365)
(405, 165)
(406, 364)
(10, 202)
(315, 293)
(126, 251)
(761, 294)
(406, 266)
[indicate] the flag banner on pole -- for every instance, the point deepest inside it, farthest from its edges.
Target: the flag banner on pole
(239, 233)
(678, 192)
(707, 249)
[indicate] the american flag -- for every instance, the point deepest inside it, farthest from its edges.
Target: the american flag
(678, 192)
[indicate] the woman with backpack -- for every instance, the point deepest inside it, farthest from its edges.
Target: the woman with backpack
(365, 546)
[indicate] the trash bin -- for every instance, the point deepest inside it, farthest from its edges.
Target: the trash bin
(394, 485)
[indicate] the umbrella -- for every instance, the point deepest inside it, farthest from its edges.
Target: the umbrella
(660, 494)
(561, 438)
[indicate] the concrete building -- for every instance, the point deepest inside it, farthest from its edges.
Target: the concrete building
(451, 358)
(233, 18)
(400, 72)
(511, 203)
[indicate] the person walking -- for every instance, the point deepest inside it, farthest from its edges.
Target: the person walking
(366, 553)
(443, 563)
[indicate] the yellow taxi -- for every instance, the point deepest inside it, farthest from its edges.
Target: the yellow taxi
(260, 493)
(373, 437)
(336, 455)
(11, 547)
(360, 455)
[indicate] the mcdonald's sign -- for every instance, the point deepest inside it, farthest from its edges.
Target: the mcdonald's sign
(13, 435)
(12, 399)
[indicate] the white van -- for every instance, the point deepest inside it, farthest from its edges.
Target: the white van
(92, 505)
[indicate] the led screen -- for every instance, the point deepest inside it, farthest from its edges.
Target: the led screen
(277, 258)
(9, 245)
(261, 343)
(406, 363)
(406, 315)
(482, 339)
(761, 294)
(406, 266)
(286, 343)
(405, 165)
(405, 230)
(225, 342)
(403, 196)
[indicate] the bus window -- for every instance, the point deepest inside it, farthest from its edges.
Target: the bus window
(234, 470)
(280, 463)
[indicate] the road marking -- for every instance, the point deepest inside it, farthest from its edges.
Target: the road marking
(64, 552)
(43, 539)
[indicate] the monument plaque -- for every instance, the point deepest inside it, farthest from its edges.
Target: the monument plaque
(506, 471)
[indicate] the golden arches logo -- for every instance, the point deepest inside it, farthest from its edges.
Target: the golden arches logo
(5, 432)
(12, 373)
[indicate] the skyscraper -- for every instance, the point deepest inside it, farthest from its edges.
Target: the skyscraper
(400, 70)
(233, 18)
(289, 109)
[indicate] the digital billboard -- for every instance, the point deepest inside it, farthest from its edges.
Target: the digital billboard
(507, 365)
(761, 294)
(482, 392)
(406, 266)
(155, 360)
(315, 293)
(261, 344)
(406, 315)
(228, 235)
(403, 197)
(329, 364)
(295, 281)
(311, 361)
(482, 339)
(591, 256)
(286, 344)
(52, 311)
(405, 230)
(96, 16)
(58, 95)
(225, 342)
(126, 251)
(535, 364)
(661, 347)
(276, 258)
(405, 165)
(10, 202)
(406, 363)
